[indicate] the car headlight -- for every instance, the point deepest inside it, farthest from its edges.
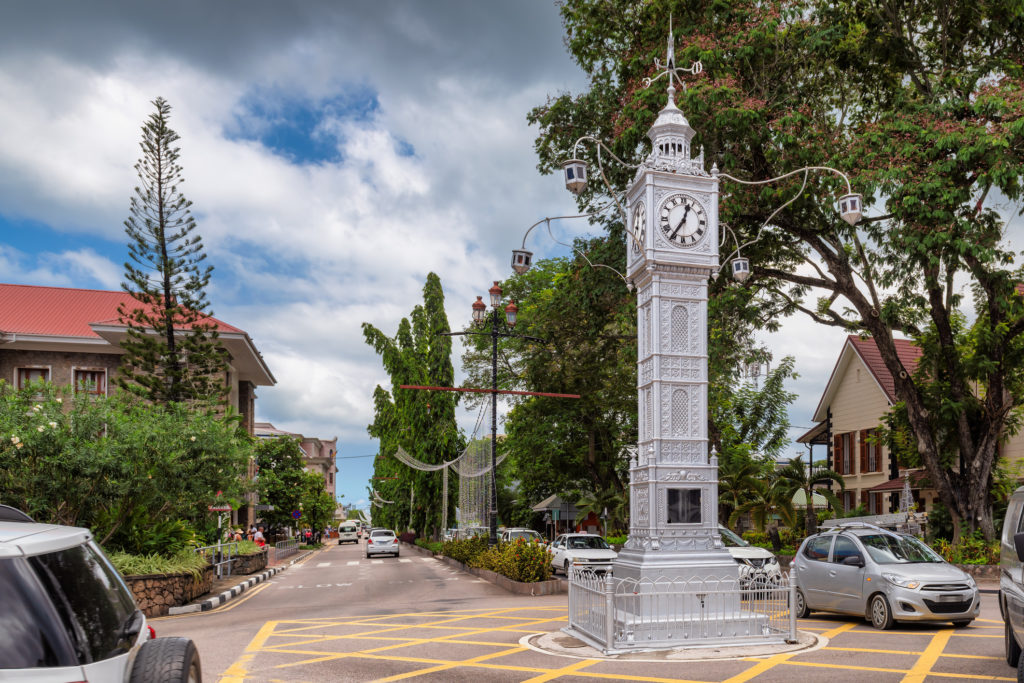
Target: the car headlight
(772, 560)
(970, 580)
(901, 581)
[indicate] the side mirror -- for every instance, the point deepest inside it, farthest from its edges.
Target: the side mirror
(858, 560)
(1018, 544)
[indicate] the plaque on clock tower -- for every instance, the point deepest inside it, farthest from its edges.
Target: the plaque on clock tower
(672, 205)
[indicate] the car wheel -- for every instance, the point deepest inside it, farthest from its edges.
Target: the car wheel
(174, 660)
(1010, 645)
(565, 568)
(801, 609)
(961, 623)
(881, 613)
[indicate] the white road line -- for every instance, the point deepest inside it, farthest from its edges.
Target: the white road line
(324, 564)
(352, 562)
(376, 561)
(405, 560)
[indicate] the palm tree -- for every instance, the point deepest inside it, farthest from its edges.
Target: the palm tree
(767, 499)
(610, 500)
(737, 476)
(796, 477)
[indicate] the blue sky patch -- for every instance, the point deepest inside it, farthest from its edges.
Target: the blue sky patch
(302, 129)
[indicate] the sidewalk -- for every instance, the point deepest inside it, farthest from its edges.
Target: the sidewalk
(230, 587)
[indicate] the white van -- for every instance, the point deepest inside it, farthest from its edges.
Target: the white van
(348, 531)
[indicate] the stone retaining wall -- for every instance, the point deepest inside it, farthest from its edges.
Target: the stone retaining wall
(155, 594)
(250, 564)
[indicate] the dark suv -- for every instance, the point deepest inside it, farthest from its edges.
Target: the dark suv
(66, 614)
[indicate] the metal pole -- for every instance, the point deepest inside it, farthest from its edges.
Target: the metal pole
(792, 607)
(494, 428)
(609, 610)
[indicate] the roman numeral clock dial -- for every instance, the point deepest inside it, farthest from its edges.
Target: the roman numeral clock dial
(683, 220)
(639, 227)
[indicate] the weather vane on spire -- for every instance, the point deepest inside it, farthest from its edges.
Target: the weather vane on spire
(669, 66)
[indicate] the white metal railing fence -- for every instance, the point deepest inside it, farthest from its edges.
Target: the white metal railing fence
(285, 548)
(221, 555)
(619, 615)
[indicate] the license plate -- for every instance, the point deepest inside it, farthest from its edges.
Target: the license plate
(949, 598)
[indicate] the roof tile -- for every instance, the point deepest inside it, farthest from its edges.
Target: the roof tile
(62, 311)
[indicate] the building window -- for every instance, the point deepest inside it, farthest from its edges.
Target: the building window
(91, 382)
(847, 454)
(848, 500)
(27, 375)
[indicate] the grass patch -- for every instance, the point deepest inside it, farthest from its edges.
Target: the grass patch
(181, 562)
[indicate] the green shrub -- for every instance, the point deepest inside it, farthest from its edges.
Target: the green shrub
(143, 535)
(464, 551)
(248, 547)
(616, 540)
(972, 549)
(519, 561)
(432, 546)
(153, 563)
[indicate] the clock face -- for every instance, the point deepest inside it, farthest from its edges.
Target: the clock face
(683, 220)
(639, 227)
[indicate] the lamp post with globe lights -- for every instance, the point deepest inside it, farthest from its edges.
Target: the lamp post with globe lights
(500, 326)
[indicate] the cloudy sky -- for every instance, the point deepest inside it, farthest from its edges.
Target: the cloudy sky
(335, 153)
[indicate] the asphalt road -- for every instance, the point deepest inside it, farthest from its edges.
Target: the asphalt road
(340, 617)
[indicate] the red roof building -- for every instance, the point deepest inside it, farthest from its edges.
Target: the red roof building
(73, 336)
(859, 392)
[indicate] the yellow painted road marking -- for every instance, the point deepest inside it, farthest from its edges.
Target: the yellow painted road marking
(558, 673)
(923, 666)
(235, 603)
(453, 665)
(237, 672)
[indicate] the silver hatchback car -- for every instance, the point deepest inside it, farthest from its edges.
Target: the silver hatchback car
(886, 577)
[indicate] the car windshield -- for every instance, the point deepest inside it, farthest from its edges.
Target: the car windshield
(731, 540)
(892, 549)
(382, 534)
(525, 535)
(587, 543)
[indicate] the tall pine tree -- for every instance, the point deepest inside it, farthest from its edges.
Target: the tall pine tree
(172, 351)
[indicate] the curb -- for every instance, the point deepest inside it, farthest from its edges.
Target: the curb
(235, 591)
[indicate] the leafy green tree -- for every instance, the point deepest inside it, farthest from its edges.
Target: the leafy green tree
(280, 478)
(797, 477)
(584, 314)
(317, 504)
(920, 103)
(421, 422)
(116, 465)
(172, 352)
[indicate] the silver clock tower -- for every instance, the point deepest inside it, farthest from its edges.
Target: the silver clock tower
(672, 209)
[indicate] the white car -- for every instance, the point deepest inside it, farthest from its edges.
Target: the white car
(528, 535)
(67, 614)
(588, 551)
(382, 542)
(753, 561)
(348, 532)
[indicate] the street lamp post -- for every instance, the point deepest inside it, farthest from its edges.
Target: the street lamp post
(500, 327)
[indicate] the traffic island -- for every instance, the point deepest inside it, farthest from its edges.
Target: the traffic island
(562, 644)
(549, 587)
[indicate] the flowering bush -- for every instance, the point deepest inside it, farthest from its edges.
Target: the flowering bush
(518, 560)
(466, 550)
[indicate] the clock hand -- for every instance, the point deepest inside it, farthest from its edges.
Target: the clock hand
(682, 222)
